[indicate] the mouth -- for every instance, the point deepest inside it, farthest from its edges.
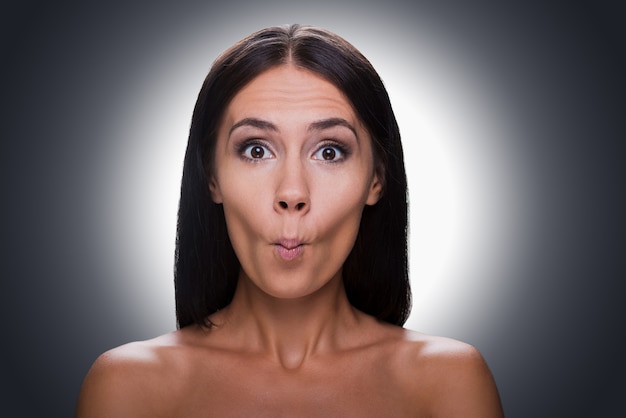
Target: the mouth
(289, 249)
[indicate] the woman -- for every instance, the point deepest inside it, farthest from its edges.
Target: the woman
(291, 262)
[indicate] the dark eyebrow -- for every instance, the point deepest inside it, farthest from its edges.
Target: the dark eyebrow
(315, 126)
(255, 123)
(331, 123)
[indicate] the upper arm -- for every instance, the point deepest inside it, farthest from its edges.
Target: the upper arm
(464, 386)
(121, 385)
(447, 378)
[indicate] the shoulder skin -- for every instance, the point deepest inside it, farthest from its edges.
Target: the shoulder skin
(451, 378)
(131, 380)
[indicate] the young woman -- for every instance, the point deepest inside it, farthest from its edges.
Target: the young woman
(291, 263)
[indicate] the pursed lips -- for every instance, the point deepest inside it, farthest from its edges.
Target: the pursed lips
(289, 249)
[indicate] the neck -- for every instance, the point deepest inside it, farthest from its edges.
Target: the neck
(291, 330)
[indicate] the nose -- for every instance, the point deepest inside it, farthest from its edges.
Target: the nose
(292, 193)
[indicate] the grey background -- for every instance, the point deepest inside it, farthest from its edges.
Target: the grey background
(76, 75)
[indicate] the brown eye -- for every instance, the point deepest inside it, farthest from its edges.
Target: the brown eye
(329, 154)
(257, 152)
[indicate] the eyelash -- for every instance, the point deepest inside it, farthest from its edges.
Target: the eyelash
(344, 152)
(246, 146)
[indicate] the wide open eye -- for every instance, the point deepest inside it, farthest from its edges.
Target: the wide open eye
(330, 153)
(255, 151)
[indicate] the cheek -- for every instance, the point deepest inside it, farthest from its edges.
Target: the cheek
(248, 210)
(336, 198)
(245, 201)
(338, 202)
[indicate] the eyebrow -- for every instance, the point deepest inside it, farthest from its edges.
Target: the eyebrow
(331, 123)
(255, 123)
(319, 125)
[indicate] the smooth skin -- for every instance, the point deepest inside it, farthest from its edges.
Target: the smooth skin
(294, 168)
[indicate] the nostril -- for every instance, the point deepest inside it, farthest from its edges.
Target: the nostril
(298, 206)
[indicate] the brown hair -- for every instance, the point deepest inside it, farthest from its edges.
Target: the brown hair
(375, 274)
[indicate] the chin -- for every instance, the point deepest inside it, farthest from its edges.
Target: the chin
(290, 290)
(291, 286)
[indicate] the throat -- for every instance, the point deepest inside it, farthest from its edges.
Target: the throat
(292, 358)
(291, 331)
(294, 340)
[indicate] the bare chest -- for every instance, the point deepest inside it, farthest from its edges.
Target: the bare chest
(346, 390)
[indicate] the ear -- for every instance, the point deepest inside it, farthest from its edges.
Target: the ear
(216, 193)
(376, 189)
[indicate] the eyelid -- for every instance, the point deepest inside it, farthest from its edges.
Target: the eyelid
(245, 144)
(344, 151)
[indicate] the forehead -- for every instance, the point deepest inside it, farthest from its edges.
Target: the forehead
(289, 91)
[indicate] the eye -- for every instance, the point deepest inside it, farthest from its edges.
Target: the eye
(330, 153)
(255, 151)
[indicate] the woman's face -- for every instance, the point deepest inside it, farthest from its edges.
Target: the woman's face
(294, 168)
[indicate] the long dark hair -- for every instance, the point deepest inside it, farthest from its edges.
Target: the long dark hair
(375, 274)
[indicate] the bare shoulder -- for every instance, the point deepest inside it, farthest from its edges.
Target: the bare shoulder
(134, 379)
(449, 377)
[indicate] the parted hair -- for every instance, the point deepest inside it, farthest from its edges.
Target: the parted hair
(206, 269)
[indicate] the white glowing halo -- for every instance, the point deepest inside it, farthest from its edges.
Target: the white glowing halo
(439, 108)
